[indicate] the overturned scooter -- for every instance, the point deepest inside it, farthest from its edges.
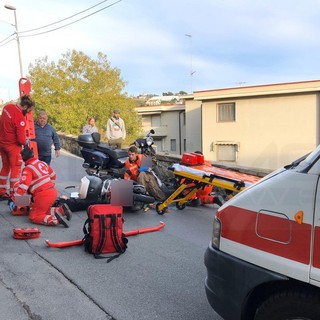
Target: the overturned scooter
(97, 189)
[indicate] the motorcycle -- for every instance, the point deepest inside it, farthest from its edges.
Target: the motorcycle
(100, 157)
(107, 163)
(104, 165)
(109, 160)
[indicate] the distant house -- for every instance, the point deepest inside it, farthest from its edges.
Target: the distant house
(168, 122)
(162, 100)
(264, 127)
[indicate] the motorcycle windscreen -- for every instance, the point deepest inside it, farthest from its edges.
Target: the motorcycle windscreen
(121, 193)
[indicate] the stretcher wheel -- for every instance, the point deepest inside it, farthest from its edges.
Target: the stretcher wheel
(160, 211)
(180, 206)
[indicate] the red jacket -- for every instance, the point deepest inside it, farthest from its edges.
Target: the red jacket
(12, 126)
(36, 176)
(133, 168)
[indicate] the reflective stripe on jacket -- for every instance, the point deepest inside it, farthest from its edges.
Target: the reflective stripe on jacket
(36, 177)
(133, 168)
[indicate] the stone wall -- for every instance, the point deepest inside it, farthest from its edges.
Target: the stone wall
(69, 143)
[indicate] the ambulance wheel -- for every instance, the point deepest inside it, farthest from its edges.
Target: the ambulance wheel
(161, 212)
(290, 305)
(180, 206)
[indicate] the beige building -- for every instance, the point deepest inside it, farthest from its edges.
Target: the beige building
(263, 127)
(168, 122)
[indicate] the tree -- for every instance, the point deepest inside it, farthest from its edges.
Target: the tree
(167, 93)
(77, 87)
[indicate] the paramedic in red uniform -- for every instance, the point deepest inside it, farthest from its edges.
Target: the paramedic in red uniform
(12, 138)
(38, 179)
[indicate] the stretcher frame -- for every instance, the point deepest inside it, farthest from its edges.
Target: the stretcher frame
(194, 182)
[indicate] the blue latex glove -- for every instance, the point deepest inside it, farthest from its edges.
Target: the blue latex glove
(11, 205)
(144, 169)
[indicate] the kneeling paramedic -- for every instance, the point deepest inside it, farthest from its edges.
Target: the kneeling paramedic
(38, 179)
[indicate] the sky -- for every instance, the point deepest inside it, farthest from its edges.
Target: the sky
(168, 45)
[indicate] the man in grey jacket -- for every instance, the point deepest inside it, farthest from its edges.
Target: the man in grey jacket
(116, 130)
(46, 136)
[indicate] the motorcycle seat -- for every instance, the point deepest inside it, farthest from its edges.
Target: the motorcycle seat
(113, 153)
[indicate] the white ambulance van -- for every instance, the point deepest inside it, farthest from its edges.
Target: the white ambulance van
(263, 262)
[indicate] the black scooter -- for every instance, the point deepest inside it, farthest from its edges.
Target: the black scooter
(102, 157)
(104, 165)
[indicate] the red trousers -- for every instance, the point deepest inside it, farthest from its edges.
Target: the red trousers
(11, 167)
(41, 210)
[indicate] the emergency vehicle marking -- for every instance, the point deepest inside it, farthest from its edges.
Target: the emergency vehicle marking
(43, 168)
(234, 220)
(316, 250)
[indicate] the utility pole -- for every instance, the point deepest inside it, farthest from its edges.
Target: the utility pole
(192, 72)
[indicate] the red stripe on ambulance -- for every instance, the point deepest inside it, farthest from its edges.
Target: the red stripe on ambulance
(276, 235)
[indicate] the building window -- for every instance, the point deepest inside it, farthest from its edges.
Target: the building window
(173, 145)
(226, 112)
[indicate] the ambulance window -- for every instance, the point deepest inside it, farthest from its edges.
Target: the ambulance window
(315, 169)
(313, 160)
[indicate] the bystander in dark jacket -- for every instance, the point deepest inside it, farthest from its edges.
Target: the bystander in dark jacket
(46, 136)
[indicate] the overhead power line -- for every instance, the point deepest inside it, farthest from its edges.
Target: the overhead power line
(65, 25)
(74, 15)
(3, 42)
(7, 39)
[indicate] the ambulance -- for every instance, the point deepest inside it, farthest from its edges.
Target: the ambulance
(263, 262)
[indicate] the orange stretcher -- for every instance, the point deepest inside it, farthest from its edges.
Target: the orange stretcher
(195, 177)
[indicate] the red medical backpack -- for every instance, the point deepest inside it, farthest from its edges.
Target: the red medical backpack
(104, 231)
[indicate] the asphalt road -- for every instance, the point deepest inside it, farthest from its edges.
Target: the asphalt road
(160, 276)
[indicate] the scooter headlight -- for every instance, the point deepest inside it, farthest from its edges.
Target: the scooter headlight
(90, 188)
(149, 141)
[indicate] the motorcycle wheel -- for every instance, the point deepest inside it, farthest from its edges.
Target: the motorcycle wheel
(142, 198)
(137, 206)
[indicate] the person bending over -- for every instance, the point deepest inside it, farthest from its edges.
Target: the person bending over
(38, 179)
(12, 138)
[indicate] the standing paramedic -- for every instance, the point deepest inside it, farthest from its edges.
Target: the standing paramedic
(38, 179)
(46, 136)
(116, 130)
(142, 175)
(12, 138)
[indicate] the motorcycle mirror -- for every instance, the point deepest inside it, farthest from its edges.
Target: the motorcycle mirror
(152, 131)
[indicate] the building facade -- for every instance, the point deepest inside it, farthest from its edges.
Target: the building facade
(168, 122)
(263, 127)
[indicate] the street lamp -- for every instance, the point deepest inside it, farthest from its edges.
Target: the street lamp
(10, 7)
